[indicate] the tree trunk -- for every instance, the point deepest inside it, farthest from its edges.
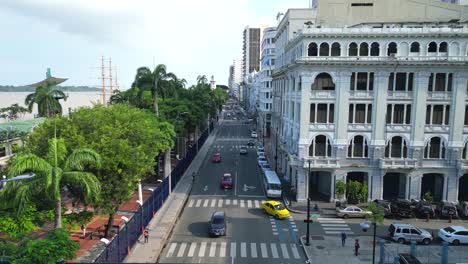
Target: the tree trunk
(167, 163)
(110, 223)
(155, 104)
(58, 213)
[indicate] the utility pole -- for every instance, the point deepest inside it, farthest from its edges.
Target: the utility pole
(103, 78)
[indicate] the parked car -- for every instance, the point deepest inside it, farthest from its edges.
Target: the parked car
(217, 158)
(402, 233)
(227, 181)
(423, 208)
(261, 161)
(463, 209)
(352, 211)
(265, 166)
(260, 153)
(275, 209)
(253, 134)
(251, 142)
(446, 210)
(260, 148)
(217, 225)
(386, 206)
(401, 208)
(243, 150)
(454, 235)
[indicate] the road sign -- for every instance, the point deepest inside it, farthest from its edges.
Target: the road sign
(314, 216)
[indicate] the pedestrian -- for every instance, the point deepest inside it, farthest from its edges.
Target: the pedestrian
(146, 233)
(83, 228)
(343, 238)
(356, 247)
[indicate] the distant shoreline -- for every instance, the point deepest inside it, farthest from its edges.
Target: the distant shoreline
(13, 89)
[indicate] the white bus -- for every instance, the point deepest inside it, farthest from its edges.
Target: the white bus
(272, 184)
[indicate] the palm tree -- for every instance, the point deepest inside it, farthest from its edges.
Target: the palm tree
(51, 174)
(118, 97)
(47, 100)
(201, 79)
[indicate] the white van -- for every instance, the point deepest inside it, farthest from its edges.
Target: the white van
(271, 184)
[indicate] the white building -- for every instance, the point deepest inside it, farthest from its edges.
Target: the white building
(374, 92)
(235, 77)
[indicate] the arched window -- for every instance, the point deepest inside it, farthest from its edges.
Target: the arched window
(324, 50)
(323, 81)
(465, 150)
(352, 49)
(392, 49)
(415, 47)
(335, 49)
(320, 147)
(312, 49)
(375, 49)
(443, 47)
(358, 147)
(435, 149)
(432, 47)
(364, 49)
(396, 148)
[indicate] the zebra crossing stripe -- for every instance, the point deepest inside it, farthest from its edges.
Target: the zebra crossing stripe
(198, 203)
(205, 204)
(339, 232)
(253, 250)
(181, 250)
(171, 250)
(191, 251)
(222, 250)
(234, 202)
(249, 204)
(274, 250)
(242, 203)
(212, 249)
(220, 203)
(263, 248)
(257, 204)
(243, 250)
(337, 228)
(233, 249)
(228, 202)
(295, 251)
(213, 202)
(191, 203)
(284, 250)
(201, 252)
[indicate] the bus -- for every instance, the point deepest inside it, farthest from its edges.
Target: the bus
(272, 184)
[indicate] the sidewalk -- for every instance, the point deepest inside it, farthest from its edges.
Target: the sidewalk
(165, 219)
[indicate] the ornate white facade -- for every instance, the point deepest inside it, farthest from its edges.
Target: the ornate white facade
(383, 104)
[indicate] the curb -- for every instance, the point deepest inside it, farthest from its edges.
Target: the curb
(286, 204)
(305, 251)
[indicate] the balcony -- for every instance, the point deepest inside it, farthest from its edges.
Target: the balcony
(437, 128)
(359, 127)
(361, 94)
(400, 94)
(439, 95)
(322, 94)
(321, 162)
(321, 127)
(398, 128)
(462, 164)
(389, 163)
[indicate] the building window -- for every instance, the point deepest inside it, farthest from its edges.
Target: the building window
(392, 49)
(364, 49)
(324, 50)
(466, 115)
(360, 114)
(435, 149)
(353, 49)
(320, 147)
(415, 47)
(322, 113)
(312, 49)
(441, 83)
(432, 47)
(396, 148)
(437, 114)
(335, 49)
(358, 147)
(401, 81)
(323, 81)
(443, 47)
(375, 49)
(363, 82)
(398, 114)
(2, 151)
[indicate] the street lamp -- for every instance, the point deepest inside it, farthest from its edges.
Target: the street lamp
(125, 219)
(141, 220)
(308, 220)
(365, 226)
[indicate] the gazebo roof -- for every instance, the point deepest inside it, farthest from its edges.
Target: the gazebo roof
(51, 80)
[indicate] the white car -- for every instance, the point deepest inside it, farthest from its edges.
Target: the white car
(454, 235)
(260, 148)
(253, 134)
(260, 153)
(261, 160)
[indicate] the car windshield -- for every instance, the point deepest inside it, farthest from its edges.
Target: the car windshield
(279, 207)
(275, 186)
(218, 221)
(449, 229)
(227, 178)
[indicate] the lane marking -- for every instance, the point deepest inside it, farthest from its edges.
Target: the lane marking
(334, 225)
(191, 203)
(243, 250)
(222, 250)
(212, 249)
(257, 204)
(172, 248)
(234, 202)
(249, 204)
(337, 228)
(205, 204)
(284, 250)
(253, 196)
(235, 185)
(233, 250)
(295, 251)
(198, 203)
(242, 203)
(201, 252)
(182, 250)
(191, 251)
(220, 203)
(213, 203)
(339, 232)
(274, 250)
(263, 248)
(253, 250)
(228, 202)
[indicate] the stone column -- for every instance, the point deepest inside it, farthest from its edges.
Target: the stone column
(376, 184)
(415, 185)
(457, 107)
(342, 84)
(338, 176)
(418, 110)
(407, 187)
(444, 189)
(304, 121)
(379, 109)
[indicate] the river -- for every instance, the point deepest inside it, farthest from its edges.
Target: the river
(74, 100)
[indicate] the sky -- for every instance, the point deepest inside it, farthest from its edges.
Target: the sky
(191, 37)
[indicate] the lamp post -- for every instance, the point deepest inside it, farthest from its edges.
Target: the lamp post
(141, 215)
(308, 220)
(175, 123)
(365, 226)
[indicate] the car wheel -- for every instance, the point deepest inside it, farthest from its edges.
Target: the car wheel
(345, 216)
(456, 242)
(426, 241)
(401, 240)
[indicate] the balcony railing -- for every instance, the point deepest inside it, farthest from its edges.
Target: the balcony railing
(398, 128)
(400, 94)
(321, 162)
(322, 94)
(359, 127)
(463, 164)
(384, 59)
(437, 128)
(389, 163)
(321, 126)
(361, 94)
(439, 95)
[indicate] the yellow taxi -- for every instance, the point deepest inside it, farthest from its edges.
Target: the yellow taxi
(275, 209)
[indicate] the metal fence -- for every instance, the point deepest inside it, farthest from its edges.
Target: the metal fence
(120, 246)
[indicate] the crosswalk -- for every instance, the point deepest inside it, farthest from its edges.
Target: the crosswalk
(233, 250)
(220, 203)
(232, 147)
(334, 226)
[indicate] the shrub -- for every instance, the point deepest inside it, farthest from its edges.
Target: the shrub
(17, 226)
(340, 188)
(363, 193)
(8, 249)
(353, 190)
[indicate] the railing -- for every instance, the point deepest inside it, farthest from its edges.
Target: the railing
(315, 94)
(388, 163)
(361, 94)
(119, 247)
(436, 95)
(400, 94)
(321, 162)
(384, 31)
(384, 58)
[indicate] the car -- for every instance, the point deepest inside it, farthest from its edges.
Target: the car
(352, 211)
(260, 153)
(216, 158)
(402, 233)
(455, 235)
(253, 134)
(251, 142)
(260, 148)
(261, 160)
(463, 209)
(265, 166)
(424, 208)
(227, 181)
(402, 208)
(217, 224)
(446, 210)
(386, 206)
(275, 209)
(243, 150)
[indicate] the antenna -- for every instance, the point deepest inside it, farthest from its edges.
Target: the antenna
(110, 76)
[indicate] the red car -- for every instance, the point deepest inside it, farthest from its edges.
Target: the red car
(227, 181)
(217, 158)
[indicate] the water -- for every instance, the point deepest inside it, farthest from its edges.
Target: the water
(74, 100)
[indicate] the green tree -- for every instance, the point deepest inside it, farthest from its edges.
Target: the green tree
(118, 97)
(220, 97)
(201, 79)
(363, 194)
(340, 188)
(353, 189)
(377, 212)
(47, 99)
(51, 174)
(13, 112)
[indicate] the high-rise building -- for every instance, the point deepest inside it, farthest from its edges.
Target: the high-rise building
(373, 92)
(251, 51)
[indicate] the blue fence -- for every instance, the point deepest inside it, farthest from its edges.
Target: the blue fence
(119, 247)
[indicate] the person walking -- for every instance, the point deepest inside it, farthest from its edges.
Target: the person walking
(146, 234)
(356, 247)
(343, 238)
(83, 228)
